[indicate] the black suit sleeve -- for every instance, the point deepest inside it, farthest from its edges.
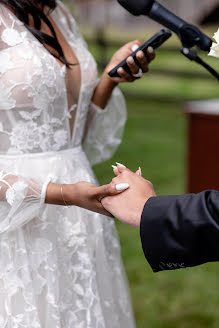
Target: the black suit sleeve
(181, 231)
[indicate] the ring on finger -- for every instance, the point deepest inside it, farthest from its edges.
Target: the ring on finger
(139, 74)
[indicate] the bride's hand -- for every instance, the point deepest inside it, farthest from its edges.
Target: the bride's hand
(83, 194)
(128, 206)
(122, 53)
(106, 84)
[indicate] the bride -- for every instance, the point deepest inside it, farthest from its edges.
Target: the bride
(60, 266)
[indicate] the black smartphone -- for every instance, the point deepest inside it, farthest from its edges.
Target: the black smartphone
(155, 42)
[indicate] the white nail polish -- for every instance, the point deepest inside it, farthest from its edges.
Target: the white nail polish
(150, 50)
(135, 47)
(140, 173)
(120, 164)
(114, 167)
(122, 186)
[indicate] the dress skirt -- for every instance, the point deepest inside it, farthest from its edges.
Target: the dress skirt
(62, 269)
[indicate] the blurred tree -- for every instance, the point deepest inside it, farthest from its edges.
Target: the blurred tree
(99, 13)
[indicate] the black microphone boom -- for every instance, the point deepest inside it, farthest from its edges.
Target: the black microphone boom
(137, 7)
(189, 34)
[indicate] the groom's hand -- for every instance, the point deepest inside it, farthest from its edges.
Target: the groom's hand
(128, 206)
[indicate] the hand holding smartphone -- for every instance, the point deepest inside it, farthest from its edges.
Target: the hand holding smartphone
(155, 42)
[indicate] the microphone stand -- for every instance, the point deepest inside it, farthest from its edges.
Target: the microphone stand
(192, 55)
(191, 36)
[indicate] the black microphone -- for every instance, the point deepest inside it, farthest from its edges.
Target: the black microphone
(189, 34)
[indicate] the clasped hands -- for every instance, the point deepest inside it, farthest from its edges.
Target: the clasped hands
(123, 198)
(127, 206)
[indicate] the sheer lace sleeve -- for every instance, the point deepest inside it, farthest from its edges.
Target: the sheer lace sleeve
(21, 199)
(105, 129)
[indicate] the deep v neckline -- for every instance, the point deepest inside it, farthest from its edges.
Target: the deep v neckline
(69, 79)
(61, 68)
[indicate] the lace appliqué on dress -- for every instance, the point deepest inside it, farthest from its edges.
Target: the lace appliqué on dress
(59, 267)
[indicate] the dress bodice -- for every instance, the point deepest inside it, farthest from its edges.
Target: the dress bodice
(36, 98)
(59, 267)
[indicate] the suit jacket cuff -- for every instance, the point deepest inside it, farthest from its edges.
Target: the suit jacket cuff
(166, 234)
(152, 230)
(180, 231)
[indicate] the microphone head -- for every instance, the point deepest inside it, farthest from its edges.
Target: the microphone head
(137, 7)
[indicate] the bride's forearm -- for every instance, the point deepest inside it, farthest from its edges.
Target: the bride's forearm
(56, 194)
(82, 194)
(103, 91)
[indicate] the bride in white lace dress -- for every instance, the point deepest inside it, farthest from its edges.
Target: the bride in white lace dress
(60, 267)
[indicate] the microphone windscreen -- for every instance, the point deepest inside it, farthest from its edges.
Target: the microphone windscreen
(137, 7)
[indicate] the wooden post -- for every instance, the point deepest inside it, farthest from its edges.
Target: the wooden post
(102, 48)
(203, 145)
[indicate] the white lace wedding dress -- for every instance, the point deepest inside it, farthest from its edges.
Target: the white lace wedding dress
(59, 267)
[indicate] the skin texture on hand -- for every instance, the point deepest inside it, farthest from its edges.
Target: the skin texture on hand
(106, 84)
(122, 53)
(88, 196)
(82, 194)
(128, 206)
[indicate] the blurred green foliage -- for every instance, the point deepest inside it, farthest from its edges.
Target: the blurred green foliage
(155, 138)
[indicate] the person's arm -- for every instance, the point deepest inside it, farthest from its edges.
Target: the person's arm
(23, 199)
(82, 194)
(176, 231)
(180, 231)
(107, 111)
(106, 84)
(22, 102)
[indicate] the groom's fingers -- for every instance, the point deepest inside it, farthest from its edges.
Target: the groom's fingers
(138, 172)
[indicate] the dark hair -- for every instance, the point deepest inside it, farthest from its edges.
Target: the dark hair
(23, 8)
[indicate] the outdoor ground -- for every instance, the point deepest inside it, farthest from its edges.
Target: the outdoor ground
(155, 138)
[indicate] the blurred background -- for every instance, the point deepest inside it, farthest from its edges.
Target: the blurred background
(168, 133)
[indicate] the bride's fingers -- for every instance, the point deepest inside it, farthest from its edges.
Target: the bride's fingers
(120, 167)
(115, 170)
(138, 172)
(110, 189)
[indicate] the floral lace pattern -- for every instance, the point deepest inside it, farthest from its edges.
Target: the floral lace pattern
(33, 88)
(59, 267)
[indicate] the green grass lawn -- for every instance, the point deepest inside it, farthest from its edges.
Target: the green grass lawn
(155, 138)
(180, 88)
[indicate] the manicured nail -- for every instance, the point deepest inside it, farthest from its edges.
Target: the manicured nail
(135, 47)
(150, 50)
(122, 186)
(114, 167)
(131, 60)
(140, 171)
(120, 164)
(140, 54)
